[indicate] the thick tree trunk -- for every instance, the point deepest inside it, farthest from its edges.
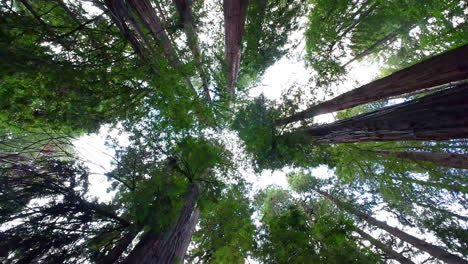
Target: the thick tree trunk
(448, 67)
(450, 160)
(431, 249)
(235, 12)
(388, 251)
(120, 247)
(185, 12)
(170, 246)
(440, 116)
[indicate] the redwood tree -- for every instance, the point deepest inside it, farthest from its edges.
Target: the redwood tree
(447, 67)
(439, 116)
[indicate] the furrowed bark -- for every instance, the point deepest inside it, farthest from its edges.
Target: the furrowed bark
(450, 160)
(431, 249)
(185, 12)
(170, 246)
(147, 16)
(447, 67)
(388, 251)
(235, 12)
(440, 116)
(120, 247)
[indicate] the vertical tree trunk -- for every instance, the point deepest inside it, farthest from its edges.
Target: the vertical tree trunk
(448, 67)
(185, 12)
(389, 252)
(120, 247)
(171, 245)
(431, 249)
(235, 12)
(440, 116)
(450, 160)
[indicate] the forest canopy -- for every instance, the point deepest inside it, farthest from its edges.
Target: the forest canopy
(363, 158)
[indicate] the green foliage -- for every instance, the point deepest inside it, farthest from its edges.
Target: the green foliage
(291, 233)
(226, 230)
(255, 124)
(399, 33)
(268, 26)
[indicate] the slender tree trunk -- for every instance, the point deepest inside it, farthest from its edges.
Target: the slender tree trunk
(455, 188)
(450, 160)
(120, 247)
(185, 12)
(431, 249)
(441, 69)
(390, 38)
(171, 245)
(443, 211)
(440, 116)
(389, 252)
(235, 12)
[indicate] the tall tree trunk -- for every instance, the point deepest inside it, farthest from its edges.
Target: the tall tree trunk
(443, 211)
(235, 12)
(431, 249)
(440, 116)
(455, 188)
(448, 67)
(388, 251)
(120, 247)
(390, 38)
(146, 14)
(450, 160)
(171, 245)
(184, 9)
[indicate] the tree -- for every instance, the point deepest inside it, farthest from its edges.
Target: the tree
(431, 249)
(423, 75)
(341, 32)
(406, 121)
(290, 234)
(268, 27)
(392, 254)
(451, 160)
(58, 223)
(234, 20)
(226, 231)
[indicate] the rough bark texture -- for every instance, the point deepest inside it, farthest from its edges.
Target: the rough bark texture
(431, 249)
(440, 116)
(170, 246)
(389, 252)
(120, 247)
(130, 15)
(235, 12)
(184, 9)
(451, 160)
(444, 68)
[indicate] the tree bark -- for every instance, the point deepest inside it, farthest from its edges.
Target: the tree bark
(450, 160)
(440, 116)
(185, 12)
(388, 251)
(447, 67)
(171, 245)
(235, 12)
(120, 247)
(431, 249)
